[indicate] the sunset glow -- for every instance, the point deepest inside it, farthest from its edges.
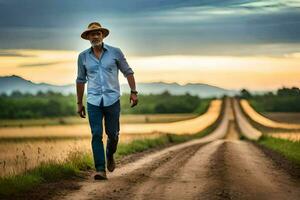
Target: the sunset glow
(253, 72)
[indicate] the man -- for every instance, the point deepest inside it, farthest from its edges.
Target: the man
(99, 65)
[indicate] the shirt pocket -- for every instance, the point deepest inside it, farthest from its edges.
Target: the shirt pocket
(110, 66)
(92, 67)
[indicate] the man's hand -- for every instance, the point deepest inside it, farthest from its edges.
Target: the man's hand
(133, 99)
(81, 110)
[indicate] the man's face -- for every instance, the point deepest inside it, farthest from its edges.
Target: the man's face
(95, 38)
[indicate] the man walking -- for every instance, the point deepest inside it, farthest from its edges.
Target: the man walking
(99, 66)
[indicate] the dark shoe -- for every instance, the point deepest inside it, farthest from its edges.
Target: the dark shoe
(111, 164)
(100, 175)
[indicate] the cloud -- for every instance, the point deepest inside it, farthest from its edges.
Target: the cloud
(37, 59)
(42, 64)
(55, 13)
(197, 25)
(12, 53)
(293, 55)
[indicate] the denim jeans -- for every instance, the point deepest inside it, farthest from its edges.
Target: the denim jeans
(111, 115)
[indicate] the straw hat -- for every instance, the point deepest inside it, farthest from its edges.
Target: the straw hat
(93, 27)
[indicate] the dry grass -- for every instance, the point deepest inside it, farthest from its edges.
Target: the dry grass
(19, 156)
(287, 136)
(258, 118)
(77, 160)
(24, 148)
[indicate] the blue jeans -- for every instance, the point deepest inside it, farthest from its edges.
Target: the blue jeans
(111, 115)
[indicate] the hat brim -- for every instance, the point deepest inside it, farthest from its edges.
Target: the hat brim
(103, 30)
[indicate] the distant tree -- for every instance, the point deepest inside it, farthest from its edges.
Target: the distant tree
(27, 94)
(53, 104)
(40, 93)
(161, 108)
(294, 91)
(283, 100)
(166, 93)
(3, 94)
(269, 94)
(16, 94)
(245, 94)
(188, 94)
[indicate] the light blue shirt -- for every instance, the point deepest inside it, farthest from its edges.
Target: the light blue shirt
(102, 75)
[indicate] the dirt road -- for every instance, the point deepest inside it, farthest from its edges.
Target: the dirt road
(219, 166)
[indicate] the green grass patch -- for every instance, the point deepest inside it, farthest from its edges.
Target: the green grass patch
(290, 149)
(16, 184)
(203, 106)
(49, 171)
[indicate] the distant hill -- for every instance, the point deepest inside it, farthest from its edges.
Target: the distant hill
(11, 83)
(202, 90)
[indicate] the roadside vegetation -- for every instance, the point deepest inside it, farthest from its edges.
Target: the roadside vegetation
(51, 104)
(283, 100)
(289, 149)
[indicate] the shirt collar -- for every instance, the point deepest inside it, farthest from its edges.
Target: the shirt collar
(104, 46)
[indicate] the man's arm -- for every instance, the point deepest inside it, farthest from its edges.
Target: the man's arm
(133, 96)
(80, 83)
(131, 82)
(80, 92)
(128, 73)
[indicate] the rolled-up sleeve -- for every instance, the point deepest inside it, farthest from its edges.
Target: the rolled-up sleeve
(123, 65)
(81, 72)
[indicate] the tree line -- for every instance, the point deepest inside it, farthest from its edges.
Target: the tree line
(283, 100)
(19, 105)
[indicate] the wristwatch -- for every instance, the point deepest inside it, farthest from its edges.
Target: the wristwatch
(134, 92)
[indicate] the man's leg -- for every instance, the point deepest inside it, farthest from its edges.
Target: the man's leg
(112, 127)
(95, 115)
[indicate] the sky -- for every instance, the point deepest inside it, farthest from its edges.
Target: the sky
(227, 43)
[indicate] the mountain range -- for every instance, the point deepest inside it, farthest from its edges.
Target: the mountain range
(8, 84)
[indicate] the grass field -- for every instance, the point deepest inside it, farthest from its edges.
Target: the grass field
(76, 161)
(20, 154)
(262, 121)
(128, 119)
(283, 117)
(290, 149)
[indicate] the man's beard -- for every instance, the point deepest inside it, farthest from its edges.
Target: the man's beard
(99, 43)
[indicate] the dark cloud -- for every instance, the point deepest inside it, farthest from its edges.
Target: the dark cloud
(151, 27)
(54, 13)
